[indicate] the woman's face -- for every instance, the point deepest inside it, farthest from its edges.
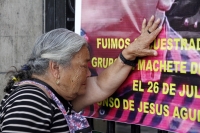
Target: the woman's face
(73, 78)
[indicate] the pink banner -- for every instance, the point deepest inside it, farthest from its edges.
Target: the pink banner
(161, 92)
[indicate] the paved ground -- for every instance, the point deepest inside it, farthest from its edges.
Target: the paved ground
(120, 127)
(125, 128)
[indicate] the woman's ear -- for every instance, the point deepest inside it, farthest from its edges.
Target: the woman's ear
(54, 69)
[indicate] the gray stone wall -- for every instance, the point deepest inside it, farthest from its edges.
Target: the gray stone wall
(21, 22)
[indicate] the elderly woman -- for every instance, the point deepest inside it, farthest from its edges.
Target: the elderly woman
(55, 83)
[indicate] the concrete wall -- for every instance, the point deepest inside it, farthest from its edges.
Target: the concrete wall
(21, 22)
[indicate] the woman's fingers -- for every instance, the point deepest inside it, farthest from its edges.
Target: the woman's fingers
(151, 30)
(157, 31)
(154, 26)
(151, 25)
(148, 52)
(141, 46)
(144, 23)
(150, 22)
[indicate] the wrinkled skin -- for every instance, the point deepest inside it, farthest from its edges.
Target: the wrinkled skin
(73, 78)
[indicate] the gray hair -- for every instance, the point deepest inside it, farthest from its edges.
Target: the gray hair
(59, 45)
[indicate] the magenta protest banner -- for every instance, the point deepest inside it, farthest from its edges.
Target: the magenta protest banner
(161, 92)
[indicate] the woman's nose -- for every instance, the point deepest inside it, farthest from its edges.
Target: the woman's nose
(88, 73)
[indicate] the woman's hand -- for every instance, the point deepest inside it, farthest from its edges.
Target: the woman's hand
(105, 84)
(141, 46)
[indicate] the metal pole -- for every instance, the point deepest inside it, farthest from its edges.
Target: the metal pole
(135, 129)
(110, 127)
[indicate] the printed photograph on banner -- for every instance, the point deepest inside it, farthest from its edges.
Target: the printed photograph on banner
(162, 91)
